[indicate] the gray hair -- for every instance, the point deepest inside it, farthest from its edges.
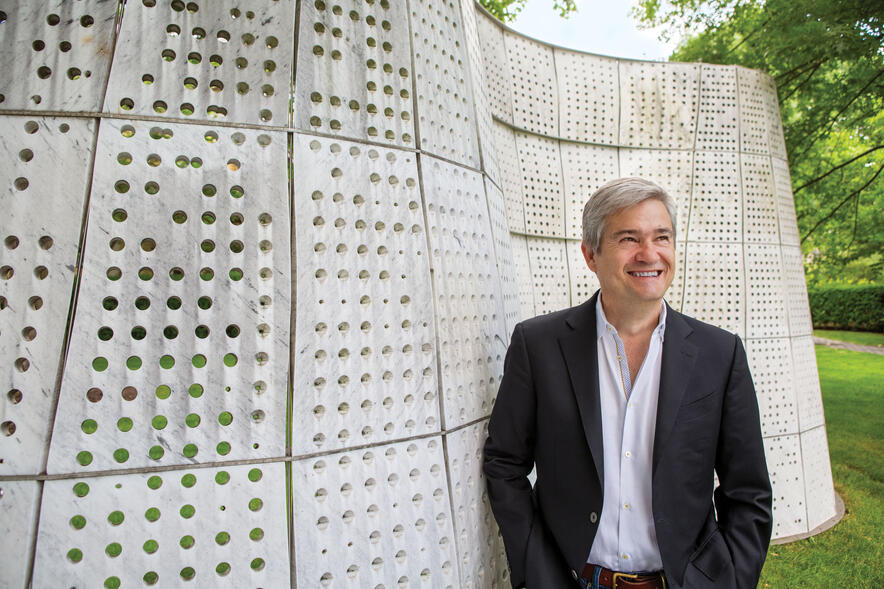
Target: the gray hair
(615, 196)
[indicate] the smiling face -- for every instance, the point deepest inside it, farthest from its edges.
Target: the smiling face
(635, 261)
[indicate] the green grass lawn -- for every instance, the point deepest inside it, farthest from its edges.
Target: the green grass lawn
(850, 554)
(863, 338)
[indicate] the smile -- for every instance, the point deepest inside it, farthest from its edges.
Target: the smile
(646, 274)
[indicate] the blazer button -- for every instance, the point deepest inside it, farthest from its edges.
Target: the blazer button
(574, 574)
(593, 517)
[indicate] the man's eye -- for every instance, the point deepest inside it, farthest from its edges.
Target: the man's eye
(663, 238)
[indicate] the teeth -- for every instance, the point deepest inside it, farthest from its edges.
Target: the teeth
(644, 274)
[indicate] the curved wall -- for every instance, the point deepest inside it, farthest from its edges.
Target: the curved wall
(565, 123)
(261, 261)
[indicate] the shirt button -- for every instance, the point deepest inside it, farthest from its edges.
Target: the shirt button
(628, 454)
(624, 556)
(626, 506)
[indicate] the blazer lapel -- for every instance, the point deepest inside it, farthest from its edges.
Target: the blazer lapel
(679, 356)
(579, 348)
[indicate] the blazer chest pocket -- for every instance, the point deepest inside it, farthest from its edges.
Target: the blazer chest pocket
(699, 407)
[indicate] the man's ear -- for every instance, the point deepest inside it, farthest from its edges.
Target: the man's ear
(589, 256)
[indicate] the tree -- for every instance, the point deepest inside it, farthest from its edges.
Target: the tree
(506, 10)
(827, 58)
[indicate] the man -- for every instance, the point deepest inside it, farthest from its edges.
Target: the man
(625, 407)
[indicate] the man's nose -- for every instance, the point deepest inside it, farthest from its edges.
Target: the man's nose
(646, 252)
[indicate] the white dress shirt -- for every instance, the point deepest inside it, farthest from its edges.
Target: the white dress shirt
(626, 539)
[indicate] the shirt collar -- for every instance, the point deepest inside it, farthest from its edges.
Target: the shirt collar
(602, 325)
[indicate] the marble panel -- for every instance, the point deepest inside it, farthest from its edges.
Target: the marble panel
(542, 183)
(784, 461)
(226, 61)
(718, 123)
(379, 516)
(584, 282)
(56, 53)
(445, 113)
(714, 285)
(364, 354)
(716, 198)
(766, 311)
(481, 101)
(510, 176)
(46, 176)
(178, 348)
(818, 487)
(354, 73)
(469, 303)
(760, 224)
(521, 260)
(535, 93)
(479, 544)
(207, 527)
(590, 83)
(659, 104)
(498, 80)
(785, 202)
(795, 286)
(506, 266)
(761, 128)
(770, 361)
(549, 274)
(807, 384)
(19, 503)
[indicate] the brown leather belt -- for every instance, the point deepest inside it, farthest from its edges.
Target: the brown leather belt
(615, 580)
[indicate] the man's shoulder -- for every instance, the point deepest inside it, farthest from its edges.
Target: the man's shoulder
(558, 321)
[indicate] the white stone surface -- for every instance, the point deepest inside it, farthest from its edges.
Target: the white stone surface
(379, 516)
(55, 54)
(354, 73)
(479, 544)
(179, 346)
(469, 302)
(445, 112)
(44, 190)
(206, 527)
(658, 104)
(19, 504)
(365, 352)
(227, 61)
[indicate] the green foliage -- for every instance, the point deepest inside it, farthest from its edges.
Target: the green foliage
(827, 61)
(848, 555)
(857, 308)
(506, 10)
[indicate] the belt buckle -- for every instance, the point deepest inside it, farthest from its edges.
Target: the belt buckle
(617, 576)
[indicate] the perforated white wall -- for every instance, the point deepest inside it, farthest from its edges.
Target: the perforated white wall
(711, 135)
(261, 262)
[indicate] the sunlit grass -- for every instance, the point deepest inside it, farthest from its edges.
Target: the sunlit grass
(851, 553)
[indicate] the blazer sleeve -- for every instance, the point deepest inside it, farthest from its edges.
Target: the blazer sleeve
(743, 497)
(509, 455)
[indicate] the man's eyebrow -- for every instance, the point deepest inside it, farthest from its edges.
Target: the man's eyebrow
(658, 231)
